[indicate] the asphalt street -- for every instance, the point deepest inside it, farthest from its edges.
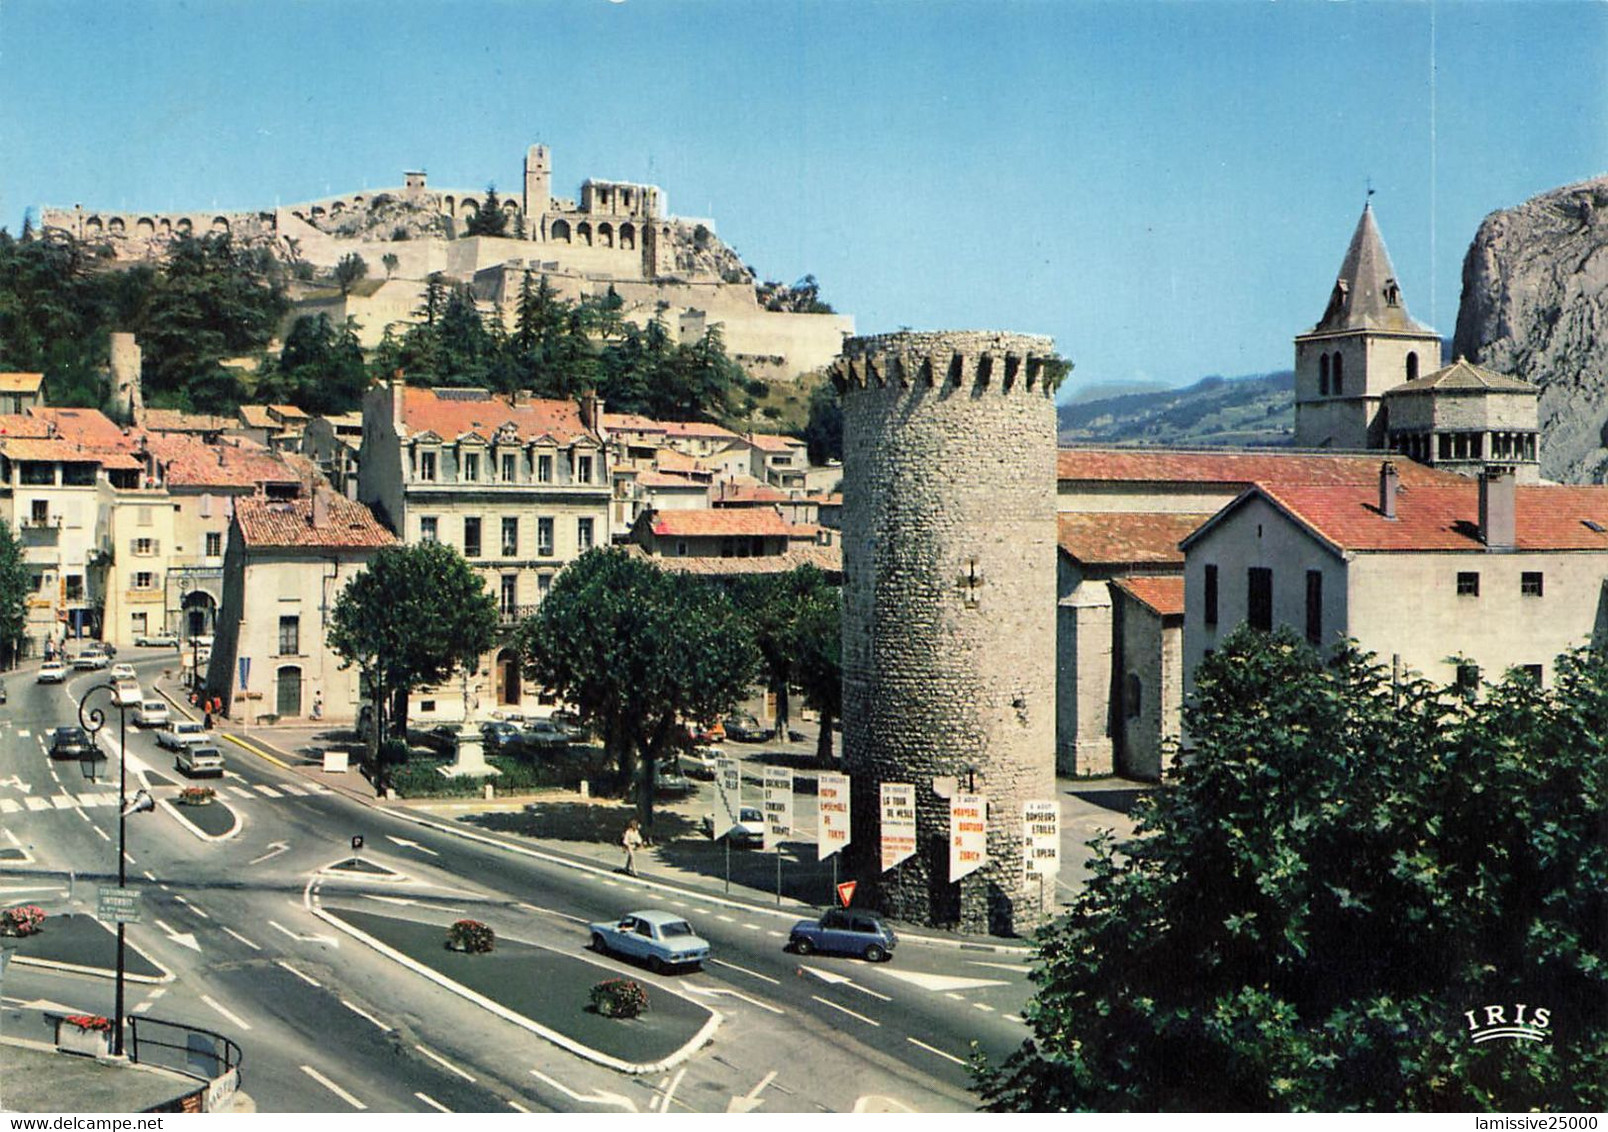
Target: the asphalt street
(328, 1024)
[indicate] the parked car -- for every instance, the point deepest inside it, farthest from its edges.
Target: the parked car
(52, 672)
(152, 713)
(671, 783)
(705, 734)
(73, 743)
(126, 693)
(572, 725)
(199, 759)
(744, 728)
(442, 738)
(181, 733)
(748, 833)
(501, 738)
(848, 931)
(700, 762)
(544, 735)
(662, 939)
(157, 640)
(89, 661)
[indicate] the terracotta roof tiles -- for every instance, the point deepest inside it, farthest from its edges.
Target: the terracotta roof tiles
(731, 521)
(1162, 594)
(21, 382)
(1112, 538)
(1144, 465)
(451, 413)
(267, 523)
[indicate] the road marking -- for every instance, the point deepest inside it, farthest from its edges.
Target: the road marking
(1014, 1018)
(275, 848)
(242, 939)
(612, 883)
(64, 801)
(192, 907)
(550, 912)
(149, 875)
(267, 791)
(143, 1007)
(9, 806)
(37, 803)
(734, 994)
(334, 1088)
(22, 732)
(85, 816)
(308, 979)
(411, 845)
(517, 1107)
(678, 903)
(753, 1100)
(942, 982)
(845, 1009)
(939, 1052)
(229, 1014)
(746, 971)
(1017, 968)
(596, 1098)
(752, 927)
(186, 939)
(956, 997)
(127, 857)
(300, 938)
(443, 1062)
(101, 833)
(982, 1006)
(361, 1013)
(293, 791)
(664, 1100)
(775, 934)
(432, 1102)
(241, 792)
(726, 919)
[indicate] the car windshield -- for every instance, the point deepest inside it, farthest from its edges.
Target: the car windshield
(752, 816)
(152, 705)
(675, 928)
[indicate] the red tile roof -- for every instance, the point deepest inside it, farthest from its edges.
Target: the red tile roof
(669, 460)
(23, 424)
(21, 382)
(1444, 518)
(348, 525)
(732, 521)
(188, 462)
(256, 416)
(827, 559)
(173, 420)
(89, 427)
(1163, 594)
(288, 412)
(65, 451)
(631, 422)
(729, 494)
(450, 413)
(769, 442)
(666, 479)
(1123, 538)
(1142, 465)
(700, 429)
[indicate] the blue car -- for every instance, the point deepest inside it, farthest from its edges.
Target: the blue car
(848, 931)
(664, 940)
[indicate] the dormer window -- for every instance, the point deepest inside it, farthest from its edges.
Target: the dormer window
(510, 470)
(544, 469)
(427, 467)
(583, 469)
(471, 467)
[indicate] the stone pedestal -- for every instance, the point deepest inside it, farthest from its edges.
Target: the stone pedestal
(469, 756)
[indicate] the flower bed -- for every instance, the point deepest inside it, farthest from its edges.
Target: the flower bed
(471, 936)
(21, 920)
(619, 998)
(90, 1022)
(197, 795)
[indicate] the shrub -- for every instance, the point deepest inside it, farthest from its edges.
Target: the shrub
(471, 936)
(196, 795)
(619, 998)
(21, 920)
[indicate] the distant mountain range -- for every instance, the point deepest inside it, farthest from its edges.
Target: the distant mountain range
(1244, 411)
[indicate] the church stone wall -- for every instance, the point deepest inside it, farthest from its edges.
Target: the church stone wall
(949, 636)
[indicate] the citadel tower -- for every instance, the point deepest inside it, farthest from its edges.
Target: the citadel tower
(949, 544)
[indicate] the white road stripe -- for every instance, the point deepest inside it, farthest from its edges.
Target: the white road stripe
(64, 801)
(334, 1088)
(982, 1006)
(239, 937)
(143, 1007)
(9, 806)
(85, 816)
(746, 971)
(22, 733)
(241, 792)
(776, 934)
(432, 1102)
(101, 832)
(308, 979)
(230, 1015)
(361, 1013)
(752, 927)
(726, 919)
(149, 875)
(293, 791)
(517, 1107)
(268, 791)
(939, 1052)
(443, 1062)
(34, 803)
(846, 1010)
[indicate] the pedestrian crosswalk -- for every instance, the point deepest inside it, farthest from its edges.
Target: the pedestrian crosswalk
(251, 792)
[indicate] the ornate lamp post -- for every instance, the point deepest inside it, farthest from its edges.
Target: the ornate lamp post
(93, 720)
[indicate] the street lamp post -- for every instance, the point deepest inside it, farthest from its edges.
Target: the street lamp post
(93, 720)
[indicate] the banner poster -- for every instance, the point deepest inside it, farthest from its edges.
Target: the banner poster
(832, 804)
(1041, 838)
(778, 802)
(898, 823)
(728, 795)
(968, 834)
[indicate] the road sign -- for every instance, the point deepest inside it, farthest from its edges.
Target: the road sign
(968, 834)
(778, 805)
(832, 808)
(898, 823)
(728, 795)
(846, 891)
(117, 905)
(1041, 838)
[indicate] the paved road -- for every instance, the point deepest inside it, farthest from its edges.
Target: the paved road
(328, 1024)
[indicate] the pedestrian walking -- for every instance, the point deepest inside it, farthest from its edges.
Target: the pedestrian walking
(632, 841)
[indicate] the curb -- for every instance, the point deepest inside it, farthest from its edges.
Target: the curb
(99, 972)
(704, 1034)
(239, 822)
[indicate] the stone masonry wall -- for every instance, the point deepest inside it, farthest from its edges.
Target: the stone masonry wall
(949, 548)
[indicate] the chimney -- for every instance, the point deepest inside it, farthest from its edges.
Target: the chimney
(398, 385)
(589, 409)
(1389, 484)
(320, 514)
(1498, 519)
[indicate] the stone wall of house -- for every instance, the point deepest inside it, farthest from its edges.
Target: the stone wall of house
(949, 635)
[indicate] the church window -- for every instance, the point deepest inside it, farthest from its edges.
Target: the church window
(1412, 366)
(1133, 695)
(1323, 375)
(1335, 385)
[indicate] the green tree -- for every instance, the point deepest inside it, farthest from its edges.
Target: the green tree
(14, 588)
(1340, 870)
(320, 369)
(636, 650)
(351, 268)
(817, 665)
(390, 262)
(489, 219)
(778, 609)
(823, 433)
(416, 615)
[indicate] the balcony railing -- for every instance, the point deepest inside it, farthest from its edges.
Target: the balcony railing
(514, 614)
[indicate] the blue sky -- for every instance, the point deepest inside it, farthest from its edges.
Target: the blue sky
(1166, 188)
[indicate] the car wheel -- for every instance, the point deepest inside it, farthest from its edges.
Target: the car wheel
(598, 944)
(803, 946)
(656, 964)
(875, 954)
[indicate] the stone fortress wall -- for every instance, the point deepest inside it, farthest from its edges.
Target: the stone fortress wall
(949, 557)
(618, 235)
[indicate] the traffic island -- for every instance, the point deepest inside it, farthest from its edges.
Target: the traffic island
(82, 944)
(210, 819)
(547, 992)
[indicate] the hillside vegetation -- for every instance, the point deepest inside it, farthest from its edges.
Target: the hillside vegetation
(1244, 411)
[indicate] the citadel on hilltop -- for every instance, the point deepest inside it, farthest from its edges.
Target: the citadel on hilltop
(618, 236)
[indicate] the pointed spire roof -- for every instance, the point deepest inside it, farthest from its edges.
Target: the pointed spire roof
(1367, 296)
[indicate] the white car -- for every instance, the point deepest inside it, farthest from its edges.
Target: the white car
(181, 733)
(52, 672)
(121, 671)
(127, 693)
(156, 640)
(201, 758)
(152, 713)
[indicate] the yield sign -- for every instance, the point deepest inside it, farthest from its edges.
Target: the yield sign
(845, 891)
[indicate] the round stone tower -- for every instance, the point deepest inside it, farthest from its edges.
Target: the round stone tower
(949, 538)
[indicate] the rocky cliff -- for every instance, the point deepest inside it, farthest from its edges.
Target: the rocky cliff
(1535, 305)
